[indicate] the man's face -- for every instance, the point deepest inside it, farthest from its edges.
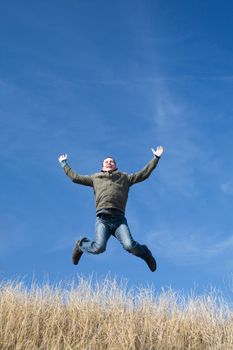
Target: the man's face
(109, 164)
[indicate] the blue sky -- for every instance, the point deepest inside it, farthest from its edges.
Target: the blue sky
(99, 78)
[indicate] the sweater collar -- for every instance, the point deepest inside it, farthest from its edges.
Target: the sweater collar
(109, 172)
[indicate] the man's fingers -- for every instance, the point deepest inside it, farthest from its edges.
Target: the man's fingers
(62, 157)
(158, 152)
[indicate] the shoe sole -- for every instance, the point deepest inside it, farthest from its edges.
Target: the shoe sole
(76, 254)
(151, 262)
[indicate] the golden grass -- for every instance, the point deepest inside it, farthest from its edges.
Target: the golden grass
(106, 315)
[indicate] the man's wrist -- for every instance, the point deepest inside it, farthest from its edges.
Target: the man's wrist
(63, 163)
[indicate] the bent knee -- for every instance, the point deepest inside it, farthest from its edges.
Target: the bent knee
(100, 249)
(130, 247)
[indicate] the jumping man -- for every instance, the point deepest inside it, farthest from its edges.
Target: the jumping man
(111, 189)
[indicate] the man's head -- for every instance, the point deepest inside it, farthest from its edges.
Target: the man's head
(109, 164)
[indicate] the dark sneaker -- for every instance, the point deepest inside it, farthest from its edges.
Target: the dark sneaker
(151, 262)
(77, 253)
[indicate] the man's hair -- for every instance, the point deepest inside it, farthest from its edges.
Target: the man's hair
(107, 158)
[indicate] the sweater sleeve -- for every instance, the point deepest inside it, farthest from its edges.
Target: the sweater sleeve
(77, 178)
(144, 173)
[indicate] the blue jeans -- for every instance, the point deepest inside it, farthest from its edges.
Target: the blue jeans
(116, 226)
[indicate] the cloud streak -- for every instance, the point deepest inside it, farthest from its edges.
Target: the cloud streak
(172, 127)
(191, 248)
(227, 188)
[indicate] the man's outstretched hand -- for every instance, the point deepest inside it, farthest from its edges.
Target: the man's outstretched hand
(158, 152)
(62, 158)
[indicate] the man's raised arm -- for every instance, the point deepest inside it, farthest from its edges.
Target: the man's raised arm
(147, 170)
(75, 177)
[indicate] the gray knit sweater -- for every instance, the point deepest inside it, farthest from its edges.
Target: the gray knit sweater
(111, 188)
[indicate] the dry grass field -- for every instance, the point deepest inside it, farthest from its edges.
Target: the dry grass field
(107, 315)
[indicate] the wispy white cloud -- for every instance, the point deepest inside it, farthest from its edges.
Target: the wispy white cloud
(190, 247)
(62, 244)
(172, 128)
(12, 235)
(186, 147)
(227, 188)
(36, 126)
(137, 82)
(2, 83)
